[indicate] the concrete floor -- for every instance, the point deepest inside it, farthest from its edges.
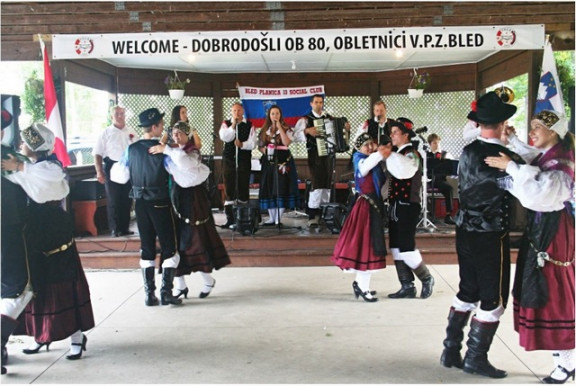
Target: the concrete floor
(269, 325)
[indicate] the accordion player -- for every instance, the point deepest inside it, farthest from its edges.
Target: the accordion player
(332, 136)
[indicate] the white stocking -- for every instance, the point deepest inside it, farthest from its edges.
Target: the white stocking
(280, 212)
(363, 280)
(208, 281)
(272, 215)
(179, 283)
(566, 359)
(411, 258)
(490, 316)
(76, 342)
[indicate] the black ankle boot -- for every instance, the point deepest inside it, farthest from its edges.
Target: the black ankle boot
(451, 356)
(166, 296)
(149, 287)
(406, 278)
(479, 340)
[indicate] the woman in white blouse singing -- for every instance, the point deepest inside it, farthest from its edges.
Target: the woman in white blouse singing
(201, 248)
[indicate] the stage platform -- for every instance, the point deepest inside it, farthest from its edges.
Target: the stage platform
(293, 245)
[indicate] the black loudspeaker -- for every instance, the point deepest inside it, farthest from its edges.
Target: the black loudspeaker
(88, 190)
(334, 215)
(247, 217)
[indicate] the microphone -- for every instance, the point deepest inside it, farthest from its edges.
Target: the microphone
(270, 148)
(421, 130)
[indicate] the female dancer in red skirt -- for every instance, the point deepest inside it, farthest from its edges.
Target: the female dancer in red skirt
(62, 306)
(544, 283)
(201, 248)
(360, 247)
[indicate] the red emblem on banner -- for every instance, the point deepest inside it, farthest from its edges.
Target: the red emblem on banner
(83, 46)
(506, 37)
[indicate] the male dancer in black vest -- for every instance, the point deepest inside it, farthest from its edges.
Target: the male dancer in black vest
(238, 135)
(482, 242)
(154, 214)
(320, 166)
(405, 166)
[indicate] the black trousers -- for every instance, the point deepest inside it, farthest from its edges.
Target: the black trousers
(156, 219)
(119, 203)
(320, 170)
(402, 225)
(484, 265)
(229, 171)
(446, 190)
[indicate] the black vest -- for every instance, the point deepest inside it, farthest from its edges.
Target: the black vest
(310, 139)
(148, 176)
(484, 202)
(407, 190)
(243, 135)
(374, 129)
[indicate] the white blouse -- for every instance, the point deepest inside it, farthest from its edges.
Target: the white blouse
(186, 168)
(42, 181)
(539, 190)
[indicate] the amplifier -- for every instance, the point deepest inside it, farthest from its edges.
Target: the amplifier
(88, 190)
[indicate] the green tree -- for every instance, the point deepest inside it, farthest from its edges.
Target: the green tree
(33, 98)
(565, 67)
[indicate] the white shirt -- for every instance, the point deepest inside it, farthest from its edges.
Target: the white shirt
(301, 125)
(402, 166)
(113, 141)
(228, 134)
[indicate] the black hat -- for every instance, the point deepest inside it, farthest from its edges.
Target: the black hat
(150, 117)
(405, 125)
(491, 109)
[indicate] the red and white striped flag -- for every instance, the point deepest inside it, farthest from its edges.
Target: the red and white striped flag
(53, 120)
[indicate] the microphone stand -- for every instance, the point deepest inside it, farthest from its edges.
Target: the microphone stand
(235, 205)
(276, 177)
(425, 221)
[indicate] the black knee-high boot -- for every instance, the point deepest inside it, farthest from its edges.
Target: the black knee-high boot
(427, 280)
(451, 356)
(149, 286)
(8, 327)
(166, 296)
(406, 278)
(479, 340)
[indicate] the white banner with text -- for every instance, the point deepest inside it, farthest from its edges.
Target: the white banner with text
(438, 39)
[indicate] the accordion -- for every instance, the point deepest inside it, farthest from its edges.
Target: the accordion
(332, 137)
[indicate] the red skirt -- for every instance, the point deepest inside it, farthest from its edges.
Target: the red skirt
(353, 249)
(552, 326)
(59, 309)
(201, 248)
